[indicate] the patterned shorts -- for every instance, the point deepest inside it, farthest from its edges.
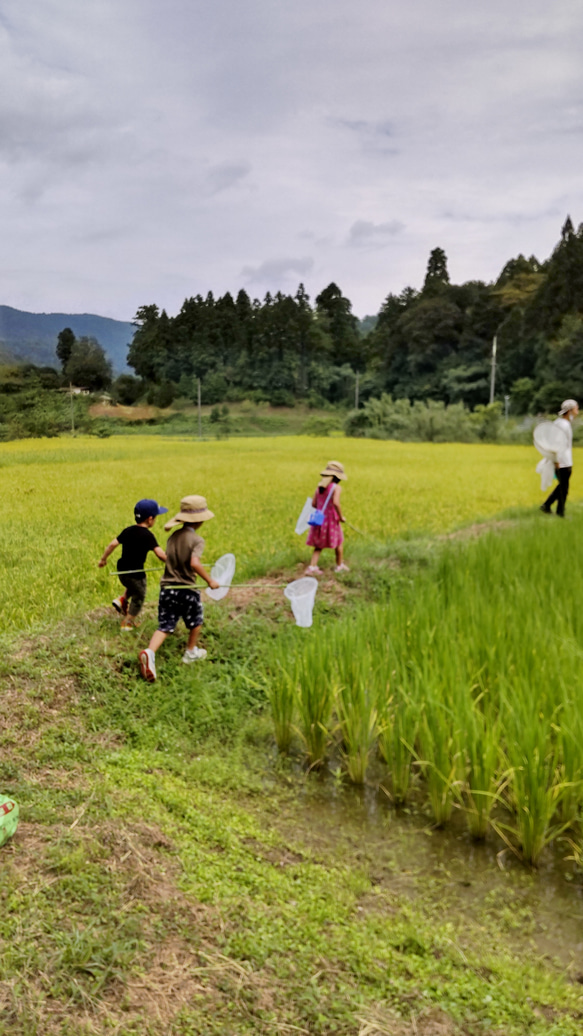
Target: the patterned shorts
(177, 604)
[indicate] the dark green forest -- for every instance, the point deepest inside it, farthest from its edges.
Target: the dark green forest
(419, 369)
(429, 344)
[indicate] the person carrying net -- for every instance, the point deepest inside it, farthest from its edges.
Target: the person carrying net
(136, 541)
(329, 533)
(564, 463)
(179, 597)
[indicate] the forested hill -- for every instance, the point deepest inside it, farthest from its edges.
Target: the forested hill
(33, 336)
(429, 343)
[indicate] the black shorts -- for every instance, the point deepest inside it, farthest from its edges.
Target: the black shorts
(175, 604)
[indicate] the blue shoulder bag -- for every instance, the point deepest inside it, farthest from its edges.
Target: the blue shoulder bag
(317, 516)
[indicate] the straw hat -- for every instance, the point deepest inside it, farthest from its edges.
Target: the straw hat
(192, 509)
(334, 469)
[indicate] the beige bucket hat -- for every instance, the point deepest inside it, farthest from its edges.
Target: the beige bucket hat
(334, 469)
(192, 509)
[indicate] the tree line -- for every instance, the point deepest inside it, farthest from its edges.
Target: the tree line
(429, 344)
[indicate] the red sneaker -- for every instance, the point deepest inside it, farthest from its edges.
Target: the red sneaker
(121, 605)
(147, 661)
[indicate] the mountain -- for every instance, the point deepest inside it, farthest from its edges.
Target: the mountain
(33, 336)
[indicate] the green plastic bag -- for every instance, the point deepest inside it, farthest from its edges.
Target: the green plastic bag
(8, 818)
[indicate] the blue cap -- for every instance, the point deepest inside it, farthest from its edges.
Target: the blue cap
(148, 509)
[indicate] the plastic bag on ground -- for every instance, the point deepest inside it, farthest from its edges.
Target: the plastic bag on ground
(302, 522)
(301, 594)
(8, 818)
(223, 571)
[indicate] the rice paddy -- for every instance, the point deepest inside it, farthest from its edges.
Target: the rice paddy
(464, 687)
(213, 843)
(63, 500)
(466, 684)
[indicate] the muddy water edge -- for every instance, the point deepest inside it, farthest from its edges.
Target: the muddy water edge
(446, 871)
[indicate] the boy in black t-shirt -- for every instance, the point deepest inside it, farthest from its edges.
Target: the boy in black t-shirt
(136, 541)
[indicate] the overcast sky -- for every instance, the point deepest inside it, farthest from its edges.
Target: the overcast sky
(153, 150)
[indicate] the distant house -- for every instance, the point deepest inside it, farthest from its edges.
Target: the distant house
(74, 390)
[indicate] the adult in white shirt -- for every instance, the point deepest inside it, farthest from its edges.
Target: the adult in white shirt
(564, 463)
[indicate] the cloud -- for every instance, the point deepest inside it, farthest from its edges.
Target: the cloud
(273, 271)
(221, 177)
(364, 234)
(149, 151)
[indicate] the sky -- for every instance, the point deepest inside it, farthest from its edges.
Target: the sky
(153, 151)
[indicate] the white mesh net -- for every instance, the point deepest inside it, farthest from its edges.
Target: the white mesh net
(301, 594)
(223, 571)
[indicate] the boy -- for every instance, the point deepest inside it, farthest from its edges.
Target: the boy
(177, 600)
(136, 541)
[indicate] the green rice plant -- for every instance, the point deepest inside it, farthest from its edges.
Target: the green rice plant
(438, 746)
(397, 734)
(536, 787)
(479, 746)
(356, 704)
(569, 733)
(315, 697)
(281, 690)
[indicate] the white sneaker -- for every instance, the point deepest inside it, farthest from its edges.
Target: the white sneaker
(147, 660)
(342, 568)
(195, 654)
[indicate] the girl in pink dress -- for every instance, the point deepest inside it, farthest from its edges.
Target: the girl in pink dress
(330, 533)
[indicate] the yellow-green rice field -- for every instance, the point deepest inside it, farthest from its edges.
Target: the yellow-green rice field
(63, 500)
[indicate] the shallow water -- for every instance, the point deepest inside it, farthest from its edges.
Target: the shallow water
(479, 882)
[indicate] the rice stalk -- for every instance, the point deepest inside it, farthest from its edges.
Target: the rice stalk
(282, 682)
(357, 706)
(439, 759)
(315, 696)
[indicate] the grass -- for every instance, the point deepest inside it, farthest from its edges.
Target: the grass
(173, 873)
(171, 877)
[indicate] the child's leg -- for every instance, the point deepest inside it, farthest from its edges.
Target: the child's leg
(315, 557)
(136, 595)
(339, 553)
(193, 638)
(157, 640)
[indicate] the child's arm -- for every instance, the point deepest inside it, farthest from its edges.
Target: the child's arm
(336, 502)
(197, 566)
(160, 553)
(108, 550)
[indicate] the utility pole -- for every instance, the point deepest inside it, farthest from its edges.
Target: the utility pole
(506, 405)
(493, 373)
(72, 409)
(356, 391)
(199, 413)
